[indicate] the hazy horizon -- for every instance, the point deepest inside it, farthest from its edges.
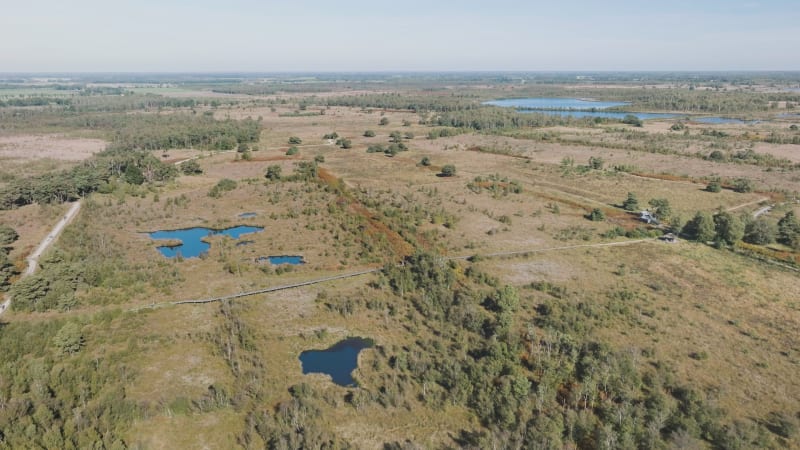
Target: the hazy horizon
(355, 36)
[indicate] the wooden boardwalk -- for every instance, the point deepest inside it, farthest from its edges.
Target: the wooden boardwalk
(257, 291)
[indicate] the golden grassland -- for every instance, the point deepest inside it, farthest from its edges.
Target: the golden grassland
(687, 299)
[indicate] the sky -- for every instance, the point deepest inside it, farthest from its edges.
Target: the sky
(408, 35)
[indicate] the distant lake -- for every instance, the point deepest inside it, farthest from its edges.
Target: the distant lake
(573, 107)
(191, 245)
(338, 361)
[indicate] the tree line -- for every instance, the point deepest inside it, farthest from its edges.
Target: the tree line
(134, 167)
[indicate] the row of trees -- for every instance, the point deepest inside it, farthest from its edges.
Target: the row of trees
(725, 228)
(105, 100)
(159, 132)
(412, 102)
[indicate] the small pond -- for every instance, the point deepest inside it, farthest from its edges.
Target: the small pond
(573, 107)
(338, 361)
(192, 245)
(247, 215)
(284, 259)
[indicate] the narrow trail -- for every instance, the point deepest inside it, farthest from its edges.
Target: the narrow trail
(256, 292)
(33, 258)
(365, 272)
(762, 211)
(744, 205)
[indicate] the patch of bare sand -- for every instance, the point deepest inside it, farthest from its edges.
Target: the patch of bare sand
(521, 272)
(54, 146)
(788, 151)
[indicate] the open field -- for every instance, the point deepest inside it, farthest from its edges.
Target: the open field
(565, 344)
(27, 147)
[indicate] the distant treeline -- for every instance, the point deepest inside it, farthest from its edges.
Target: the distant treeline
(413, 102)
(706, 101)
(493, 118)
(34, 101)
(100, 100)
(154, 132)
(139, 131)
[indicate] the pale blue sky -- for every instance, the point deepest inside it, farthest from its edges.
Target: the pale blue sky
(408, 35)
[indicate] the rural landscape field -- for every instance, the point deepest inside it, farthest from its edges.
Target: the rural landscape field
(400, 261)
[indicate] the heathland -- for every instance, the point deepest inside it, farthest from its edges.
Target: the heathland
(623, 276)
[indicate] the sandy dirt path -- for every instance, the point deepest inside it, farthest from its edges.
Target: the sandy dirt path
(33, 258)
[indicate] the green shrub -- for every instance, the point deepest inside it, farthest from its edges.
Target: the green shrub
(596, 215)
(448, 170)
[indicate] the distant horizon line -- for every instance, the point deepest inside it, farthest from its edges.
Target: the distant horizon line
(420, 71)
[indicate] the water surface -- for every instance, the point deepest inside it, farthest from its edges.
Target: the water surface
(286, 259)
(573, 107)
(192, 245)
(338, 361)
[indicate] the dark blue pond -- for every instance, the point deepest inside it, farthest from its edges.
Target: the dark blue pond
(573, 107)
(192, 245)
(285, 259)
(338, 361)
(724, 120)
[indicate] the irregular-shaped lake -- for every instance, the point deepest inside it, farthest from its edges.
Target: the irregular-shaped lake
(338, 361)
(573, 107)
(192, 245)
